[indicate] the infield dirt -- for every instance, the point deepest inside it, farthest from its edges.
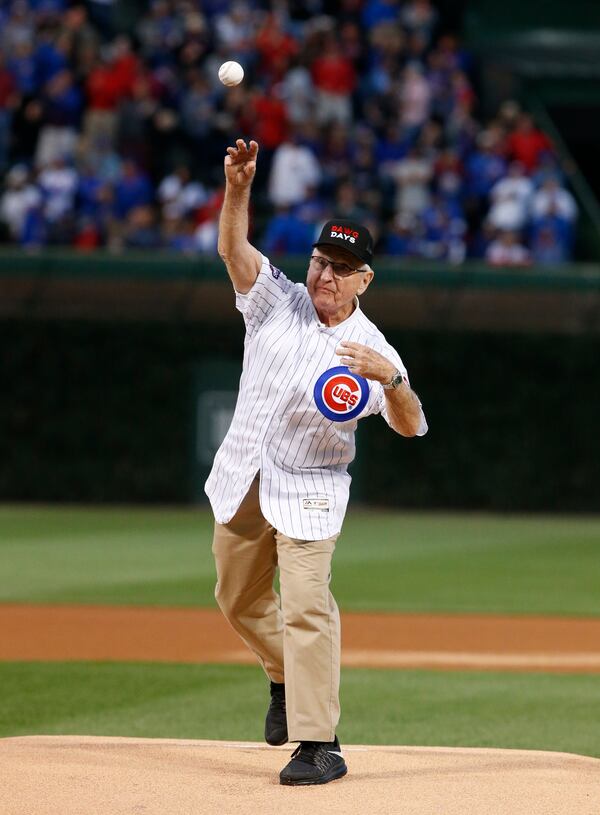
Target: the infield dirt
(482, 642)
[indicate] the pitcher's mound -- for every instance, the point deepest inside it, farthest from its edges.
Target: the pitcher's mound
(81, 775)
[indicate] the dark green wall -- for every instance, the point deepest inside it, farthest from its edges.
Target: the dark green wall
(102, 412)
(98, 411)
(513, 425)
(514, 15)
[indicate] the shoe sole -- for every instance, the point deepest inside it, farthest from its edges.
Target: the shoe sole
(340, 772)
(277, 743)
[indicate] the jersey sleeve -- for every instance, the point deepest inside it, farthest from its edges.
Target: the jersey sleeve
(270, 290)
(379, 404)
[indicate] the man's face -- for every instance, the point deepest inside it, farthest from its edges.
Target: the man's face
(332, 291)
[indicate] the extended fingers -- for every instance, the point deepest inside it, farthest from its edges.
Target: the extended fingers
(344, 353)
(242, 151)
(348, 358)
(353, 351)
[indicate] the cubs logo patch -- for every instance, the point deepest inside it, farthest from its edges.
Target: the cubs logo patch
(340, 395)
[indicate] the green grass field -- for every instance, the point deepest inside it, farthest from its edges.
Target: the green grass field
(228, 702)
(384, 561)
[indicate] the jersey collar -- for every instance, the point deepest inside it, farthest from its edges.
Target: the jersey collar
(348, 321)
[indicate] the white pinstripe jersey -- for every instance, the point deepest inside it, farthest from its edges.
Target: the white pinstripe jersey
(277, 427)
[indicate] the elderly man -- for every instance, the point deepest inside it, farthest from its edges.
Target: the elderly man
(313, 365)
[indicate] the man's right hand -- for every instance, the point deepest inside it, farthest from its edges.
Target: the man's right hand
(240, 163)
(242, 260)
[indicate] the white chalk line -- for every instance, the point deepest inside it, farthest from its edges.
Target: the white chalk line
(462, 659)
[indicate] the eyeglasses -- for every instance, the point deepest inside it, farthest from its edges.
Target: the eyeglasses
(339, 270)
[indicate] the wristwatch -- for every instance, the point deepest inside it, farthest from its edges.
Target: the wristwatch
(394, 382)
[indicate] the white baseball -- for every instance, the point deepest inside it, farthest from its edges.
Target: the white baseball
(231, 73)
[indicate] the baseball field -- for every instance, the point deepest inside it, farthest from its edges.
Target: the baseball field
(459, 630)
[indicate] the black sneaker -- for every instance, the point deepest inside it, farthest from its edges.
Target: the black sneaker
(276, 721)
(314, 762)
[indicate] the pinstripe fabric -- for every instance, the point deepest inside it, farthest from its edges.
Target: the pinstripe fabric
(277, 427)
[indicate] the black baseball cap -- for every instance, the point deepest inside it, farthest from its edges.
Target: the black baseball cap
(348, 235)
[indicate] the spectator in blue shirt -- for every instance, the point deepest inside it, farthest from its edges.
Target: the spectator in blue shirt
(393, 145)
(62, 101)
(88, 192)
(35, 228)
(287, 234)
(403, 239)
(443, 230)
(22, 66)
(140, 229)
(484, 167)
(51, 57)
(62, 105)
(551, 234)
(133, 189)
(548, 244)
(379, 11)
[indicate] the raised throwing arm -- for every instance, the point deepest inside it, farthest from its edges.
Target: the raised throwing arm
(241, 259)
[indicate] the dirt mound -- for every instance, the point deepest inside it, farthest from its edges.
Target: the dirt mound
(72, 775)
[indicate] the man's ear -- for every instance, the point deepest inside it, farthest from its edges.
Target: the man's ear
(364, 285)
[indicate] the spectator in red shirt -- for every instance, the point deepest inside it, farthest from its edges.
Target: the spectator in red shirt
(102, 88)
(527, 143)
(276, 49)
(9, 99)
(266, 115)
(266, 118)
(125, 65)
(334, 77)
(110, 82)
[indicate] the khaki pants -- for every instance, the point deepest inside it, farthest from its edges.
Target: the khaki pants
(299, 630)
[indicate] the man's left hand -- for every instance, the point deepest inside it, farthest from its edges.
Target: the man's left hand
(364, 361)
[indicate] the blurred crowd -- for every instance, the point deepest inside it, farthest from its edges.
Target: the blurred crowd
(365, 109)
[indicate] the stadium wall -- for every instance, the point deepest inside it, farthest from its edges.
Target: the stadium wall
(103, 412)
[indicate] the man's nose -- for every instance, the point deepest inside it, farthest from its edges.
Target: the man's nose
(327, 272)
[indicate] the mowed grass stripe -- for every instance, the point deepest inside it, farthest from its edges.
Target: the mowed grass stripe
(542, 711)
(403, 561)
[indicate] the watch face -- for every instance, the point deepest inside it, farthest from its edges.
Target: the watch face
(395, 381)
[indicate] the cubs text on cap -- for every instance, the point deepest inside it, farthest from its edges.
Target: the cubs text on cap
(348, 235)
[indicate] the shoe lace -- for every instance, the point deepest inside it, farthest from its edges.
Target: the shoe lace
(313, 752)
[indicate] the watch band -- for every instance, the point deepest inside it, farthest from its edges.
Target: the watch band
(394, 382)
